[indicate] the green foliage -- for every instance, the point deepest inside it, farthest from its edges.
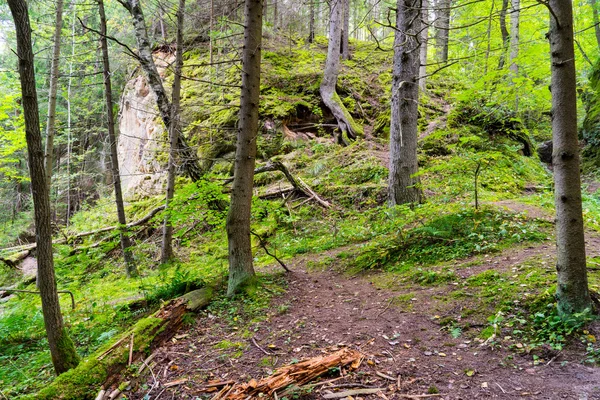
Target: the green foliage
(173, 284)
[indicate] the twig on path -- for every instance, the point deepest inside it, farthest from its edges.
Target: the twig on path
(386, 308)
(341, 395)
(419, 396)
(261, 349)
(381, 374)
(501, 388)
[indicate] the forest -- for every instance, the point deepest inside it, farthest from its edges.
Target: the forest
(299, 199)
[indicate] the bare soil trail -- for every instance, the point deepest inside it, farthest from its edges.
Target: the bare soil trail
(408, 354)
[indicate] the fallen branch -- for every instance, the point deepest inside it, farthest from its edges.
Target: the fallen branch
(263, 243)
(32, 246)
(419, 396)
(298, 184)
(354, 392)
(36, 292)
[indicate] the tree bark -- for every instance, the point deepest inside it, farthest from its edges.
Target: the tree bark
(345, 30)
(241, 269)
(348, 127)
(403, 185)
(130, 267)
(167, 234)
(442, 33)
(594, 5)
(423, 49)
(54, 72)
(62, 349)
(311, 23)
(189, 157)
(504, 33)
(572, 291)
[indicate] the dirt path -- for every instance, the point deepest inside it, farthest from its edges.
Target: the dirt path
(324, 310)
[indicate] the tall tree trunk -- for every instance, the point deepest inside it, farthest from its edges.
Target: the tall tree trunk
(442, 32)
(311, 23)
(62, 350)
(167, 234)
(488, 47)
(403, 185)
(423, 43)
(69, 120)
(572, 291)
(241, 270)
(515, 16)
(275, 14)
(189, 156)
(345, 30)
(504, 33)
(54, 72)
(348, 127)
(130, 267)
(594, 5)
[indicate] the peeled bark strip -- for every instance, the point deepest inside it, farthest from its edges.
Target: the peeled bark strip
(572, 291)
(241, 269)
(403, 186)
(348, 127)
(62, 350)
(54, 72)
(130, 268)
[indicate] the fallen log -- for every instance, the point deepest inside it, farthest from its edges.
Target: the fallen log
(103, 368)
(14, 260)
(293, 374)
(298, 184)
(32, 246)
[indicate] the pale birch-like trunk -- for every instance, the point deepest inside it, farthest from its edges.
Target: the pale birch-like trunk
(572, 291)
(515, 19)
(130, 267)
(503, 33)
(52, 91)
(167, 234)
(424, 41)
(403, 186)
(241, 269)
(346, 30)
(62, 350)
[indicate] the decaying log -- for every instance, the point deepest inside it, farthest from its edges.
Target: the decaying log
(32, 246)
(103, 368)
(14, 260)
(298, 184)
(293, 374)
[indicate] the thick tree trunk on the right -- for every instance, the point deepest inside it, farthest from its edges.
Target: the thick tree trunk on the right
(442, 33)
(52, 91)
(167, 235)
(572, 291)
(346, 123)
(130, 267)
(62, 349)
(241, 269)
(403, 186)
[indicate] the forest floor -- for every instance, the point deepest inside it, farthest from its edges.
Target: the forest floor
(395, 324)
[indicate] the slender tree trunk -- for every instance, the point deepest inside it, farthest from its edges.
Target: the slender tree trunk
(54, 72)
(403, 185)
(515, 16)
(424, 41)
(572, 292)
(62, 350)
(189, 156)
(241, 270)
(442, 33)
(275, 14)
(594, 5)
(504, 33)
(69, 121)
(348, 127)
(130, 267)
(345, 30)
(311, 23)
(489, 37)
(167, 235)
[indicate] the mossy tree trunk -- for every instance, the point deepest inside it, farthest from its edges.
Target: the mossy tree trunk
(348, 127)
(52, 91)
(403, 185)
(572, 291)
(241, 269)
(130, 267)
(62, 350)
(167, 233)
